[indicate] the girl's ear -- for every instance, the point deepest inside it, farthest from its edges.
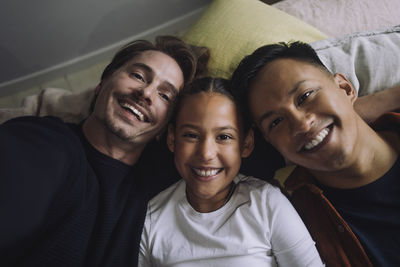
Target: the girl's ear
(248, 144)
(346, 85)
(171, 138)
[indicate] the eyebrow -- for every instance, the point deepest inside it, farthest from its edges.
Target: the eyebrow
(218, 128)
(268, 114)
(149, 70)
(142, 66)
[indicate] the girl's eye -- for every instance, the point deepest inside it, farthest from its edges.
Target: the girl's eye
(190, 135)
(275, 122)
(224, 137)
(303, 97)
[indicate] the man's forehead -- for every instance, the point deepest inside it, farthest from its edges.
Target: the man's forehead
(160, 64)
(287, 71)
(272, 86)
(151, 58)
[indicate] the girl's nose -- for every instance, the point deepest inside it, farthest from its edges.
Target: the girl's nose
(207, 149)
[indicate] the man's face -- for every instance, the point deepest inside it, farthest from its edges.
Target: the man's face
(305, 113)
(135, 102)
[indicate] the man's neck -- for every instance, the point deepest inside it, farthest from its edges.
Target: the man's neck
(375, 154)
(109, 144)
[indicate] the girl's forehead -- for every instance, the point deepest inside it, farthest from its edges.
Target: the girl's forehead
(208, 108)
(206, 100)
(210, 96)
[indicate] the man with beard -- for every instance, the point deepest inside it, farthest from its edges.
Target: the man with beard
(75, 195)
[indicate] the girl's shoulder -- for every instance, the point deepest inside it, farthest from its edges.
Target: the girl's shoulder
(169, 195)
(255, 184)
(259, 190)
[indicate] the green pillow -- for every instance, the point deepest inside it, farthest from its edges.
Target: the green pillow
(233, 29)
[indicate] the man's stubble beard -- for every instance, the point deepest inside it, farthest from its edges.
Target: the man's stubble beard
(132, 135)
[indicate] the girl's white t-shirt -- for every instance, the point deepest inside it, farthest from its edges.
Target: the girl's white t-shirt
(257, 227)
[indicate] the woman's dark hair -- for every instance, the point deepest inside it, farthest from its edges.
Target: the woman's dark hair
(209, 85)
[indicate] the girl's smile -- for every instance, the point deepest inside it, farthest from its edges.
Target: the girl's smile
(207, 141)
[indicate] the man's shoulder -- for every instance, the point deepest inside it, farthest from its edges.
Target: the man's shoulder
(43, 149)
(36, 126)
(35, 121)
(388, 126)
(388, 121)
(47, 137)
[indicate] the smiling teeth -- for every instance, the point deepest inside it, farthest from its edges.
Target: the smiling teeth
(134, 111)
(206, 173)
(318, 139)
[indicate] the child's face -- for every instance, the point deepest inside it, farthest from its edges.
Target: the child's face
(208, 144)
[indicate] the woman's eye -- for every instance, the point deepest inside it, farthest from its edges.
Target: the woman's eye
(303, 97)
(275, 122)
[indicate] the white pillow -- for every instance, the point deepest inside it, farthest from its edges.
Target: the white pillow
(340, 17)
(371, 60)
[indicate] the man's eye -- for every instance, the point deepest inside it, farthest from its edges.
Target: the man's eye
(275, 122)
(137, 76)
(165, 96)
(224, 137)
(303, 97)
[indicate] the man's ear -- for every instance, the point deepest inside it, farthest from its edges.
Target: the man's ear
(346, 85)
(171, 138)
(248, 144)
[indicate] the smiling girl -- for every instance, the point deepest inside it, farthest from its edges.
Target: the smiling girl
(215, 216)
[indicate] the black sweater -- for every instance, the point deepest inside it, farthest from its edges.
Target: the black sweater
(63, 203)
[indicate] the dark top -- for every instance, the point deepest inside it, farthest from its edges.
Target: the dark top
(63, 203)
(373, 213)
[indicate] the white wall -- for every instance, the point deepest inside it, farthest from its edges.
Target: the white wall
(43, 36)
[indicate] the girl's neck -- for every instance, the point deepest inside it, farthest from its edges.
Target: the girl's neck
(213, 204)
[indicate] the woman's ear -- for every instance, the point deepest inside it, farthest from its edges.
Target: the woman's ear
(248, 144)
(171, 138)
(346, 85)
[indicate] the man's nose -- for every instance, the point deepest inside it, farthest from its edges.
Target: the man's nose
(207, 149)
(301, 122)
(147, 93)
